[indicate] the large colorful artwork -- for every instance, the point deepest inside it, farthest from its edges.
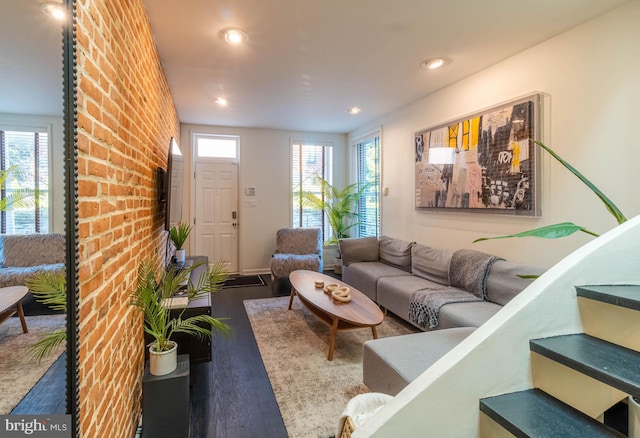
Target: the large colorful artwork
(482, 163)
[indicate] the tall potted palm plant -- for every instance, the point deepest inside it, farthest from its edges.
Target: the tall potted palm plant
(151, 297)
(339, 207)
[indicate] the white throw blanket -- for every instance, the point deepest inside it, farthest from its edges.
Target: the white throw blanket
(362, 407)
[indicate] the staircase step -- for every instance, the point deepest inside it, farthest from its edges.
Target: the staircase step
(534, 413)
(609, 363)
(623, 295)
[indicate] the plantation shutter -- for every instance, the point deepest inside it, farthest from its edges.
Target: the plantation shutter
(307, 161)
(28, 151)
(367, 154)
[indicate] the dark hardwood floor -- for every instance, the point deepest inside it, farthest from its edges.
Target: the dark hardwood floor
(231, 396)
(48, 395)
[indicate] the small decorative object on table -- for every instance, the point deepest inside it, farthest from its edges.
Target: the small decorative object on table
(341, 294)
(330, 287)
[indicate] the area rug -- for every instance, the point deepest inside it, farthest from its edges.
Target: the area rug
(310, 390)
(18, 371)
(243, 281)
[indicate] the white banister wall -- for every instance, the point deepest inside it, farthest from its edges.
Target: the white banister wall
(495, 359)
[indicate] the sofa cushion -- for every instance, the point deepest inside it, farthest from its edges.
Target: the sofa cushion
(284, 264)
(471, 314)
(361, 249)
(364, 276)
(31, 249)
(395, 252)
(431, 263)
(12, 276)
(503, 282)
(394, 293)
(390, 364)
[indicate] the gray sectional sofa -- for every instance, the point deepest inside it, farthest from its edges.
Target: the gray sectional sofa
(446, 294)
(23, 255)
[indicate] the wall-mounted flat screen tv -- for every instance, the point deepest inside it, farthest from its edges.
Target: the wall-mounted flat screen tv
(174, 183)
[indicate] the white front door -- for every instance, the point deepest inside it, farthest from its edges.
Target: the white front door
(216, 213)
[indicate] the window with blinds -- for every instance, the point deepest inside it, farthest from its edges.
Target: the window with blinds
(24, 155)
(307, 161)
(367, 165)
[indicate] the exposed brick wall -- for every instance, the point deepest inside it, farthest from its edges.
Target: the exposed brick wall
(126, 118)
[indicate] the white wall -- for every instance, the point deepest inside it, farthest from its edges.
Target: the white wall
(264, 164)
(591, 79)
(56, 161)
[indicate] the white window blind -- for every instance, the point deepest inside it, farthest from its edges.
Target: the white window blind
(28, 153)
(308, 161)
(367, 160)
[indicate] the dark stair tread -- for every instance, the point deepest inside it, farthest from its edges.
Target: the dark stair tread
(534, 413)
(623, 295)
(612, 364)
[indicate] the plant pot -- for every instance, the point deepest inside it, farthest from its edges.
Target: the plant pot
(337, 265)
(180, 255)
(634, 417)
(163, 362)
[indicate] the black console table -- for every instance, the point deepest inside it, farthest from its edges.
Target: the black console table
(165, 402)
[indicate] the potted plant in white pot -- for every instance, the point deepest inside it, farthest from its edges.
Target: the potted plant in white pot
(178, 235)
(152, 296)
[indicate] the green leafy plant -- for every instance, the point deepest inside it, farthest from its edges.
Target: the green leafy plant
(179, 234)
(50, 288)
(338, 205)
(150, 294)
(566, 228)
(17, 197)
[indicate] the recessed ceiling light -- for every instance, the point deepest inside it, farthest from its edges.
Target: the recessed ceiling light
(432, 63)
(53, 10)
(221, 101)
(354, 110)
(234, 35)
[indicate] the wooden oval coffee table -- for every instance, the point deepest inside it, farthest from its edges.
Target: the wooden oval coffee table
(10, 298)
(357, 313)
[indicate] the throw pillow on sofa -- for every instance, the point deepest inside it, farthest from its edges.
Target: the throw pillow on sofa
(360, 249)
(396, 252)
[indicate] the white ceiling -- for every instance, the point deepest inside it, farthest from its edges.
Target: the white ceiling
(306, 61)
(30, 60)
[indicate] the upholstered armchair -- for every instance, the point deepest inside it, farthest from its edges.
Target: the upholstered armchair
(296, 248)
